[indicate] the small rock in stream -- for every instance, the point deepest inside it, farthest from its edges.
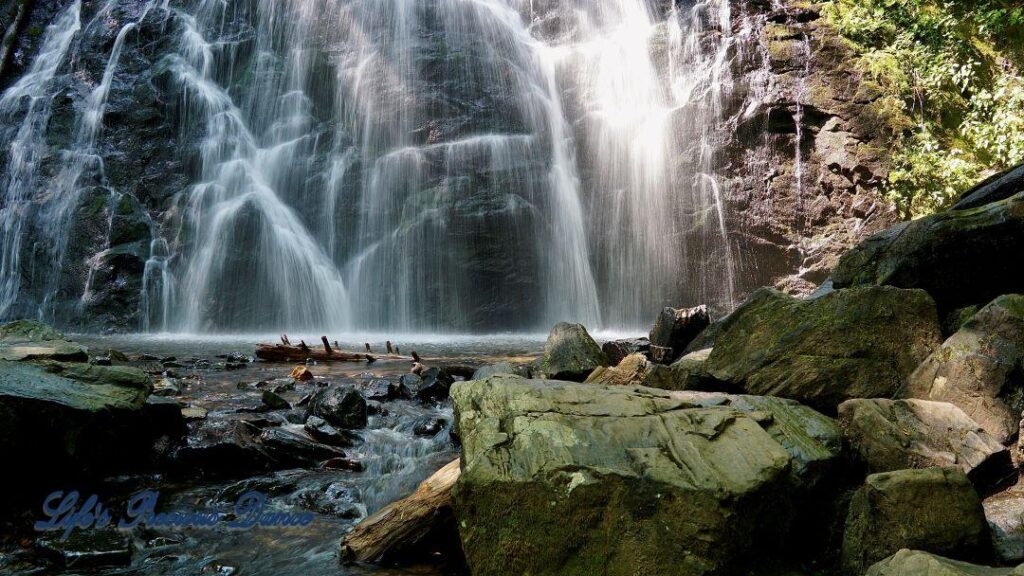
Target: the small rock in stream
(301, 373)
(341, 463)
(294, 449)
(341, 405)
(435, 385)
(275, 402)
(334, 499)
(193, 413)
(321, 431)
(383, 389)
(166, 387)
(428, 426)
(276, 484)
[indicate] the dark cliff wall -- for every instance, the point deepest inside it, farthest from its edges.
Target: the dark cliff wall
(800, 163)
(807, 160)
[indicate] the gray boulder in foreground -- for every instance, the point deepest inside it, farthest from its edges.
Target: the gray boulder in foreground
(565, 478)
(896, 434)
(930, 509)
(979, 368)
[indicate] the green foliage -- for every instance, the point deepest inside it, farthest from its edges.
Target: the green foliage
(951, 89)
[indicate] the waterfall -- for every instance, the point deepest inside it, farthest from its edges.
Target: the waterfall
(31, 97)
(410, 165)
(79, 160)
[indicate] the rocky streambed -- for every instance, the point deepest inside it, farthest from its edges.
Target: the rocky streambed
(201, 423)
(870, 428)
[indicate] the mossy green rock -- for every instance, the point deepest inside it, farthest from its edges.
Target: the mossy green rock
(854, 343)
(961, 257)
(917, 563)
(74, 386)
(565, 478)
(690, 372)
(73, 420)
(979, 367)
(569, 354)
(29, 340)
(931, 509)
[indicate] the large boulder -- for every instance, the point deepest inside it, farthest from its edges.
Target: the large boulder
(675, 328)
(855, 343)
(61, 421)
(565, 478)
(998, 187)
(961, 257)
(30, 340)
(896, 434)
(979, 368)
(931, 509)
(916, 563)
(569, 354)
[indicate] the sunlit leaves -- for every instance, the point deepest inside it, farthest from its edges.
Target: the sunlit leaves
(955, 67)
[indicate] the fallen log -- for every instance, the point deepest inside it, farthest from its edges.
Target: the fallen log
(287, 353)
(403, 530)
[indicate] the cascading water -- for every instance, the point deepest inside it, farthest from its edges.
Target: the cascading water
(453, 165)
(30, 98)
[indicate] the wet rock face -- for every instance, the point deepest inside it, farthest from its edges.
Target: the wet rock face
(807, 156)
(564, 478)
(791, 94)
(98, 283)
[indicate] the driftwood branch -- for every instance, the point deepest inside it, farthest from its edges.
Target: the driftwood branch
(406, 525)
(283, 353)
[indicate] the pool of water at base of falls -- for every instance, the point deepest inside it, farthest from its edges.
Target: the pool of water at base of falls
(394, 456)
